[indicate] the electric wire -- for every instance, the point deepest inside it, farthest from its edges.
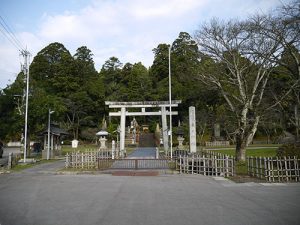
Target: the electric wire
(8, 38)
(10, 32)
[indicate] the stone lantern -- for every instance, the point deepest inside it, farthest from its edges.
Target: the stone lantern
(102, 139)
(180, 138)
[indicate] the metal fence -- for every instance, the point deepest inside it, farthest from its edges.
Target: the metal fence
(100, 160)
(218, 165)
(135, 164)
(275, 169)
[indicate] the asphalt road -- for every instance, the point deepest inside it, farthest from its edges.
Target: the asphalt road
(33, 198)
(144, 152)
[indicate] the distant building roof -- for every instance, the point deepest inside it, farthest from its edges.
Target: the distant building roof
(56, 131)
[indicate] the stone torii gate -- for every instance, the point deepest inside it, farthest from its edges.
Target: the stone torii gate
(163, 112)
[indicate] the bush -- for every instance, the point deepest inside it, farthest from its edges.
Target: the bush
(289, 150)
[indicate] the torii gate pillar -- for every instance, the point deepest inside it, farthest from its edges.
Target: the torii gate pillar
(122, 132)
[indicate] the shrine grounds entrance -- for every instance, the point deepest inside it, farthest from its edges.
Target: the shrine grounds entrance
(129, 109)
(147, 157)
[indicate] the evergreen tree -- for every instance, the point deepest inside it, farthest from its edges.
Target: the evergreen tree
(111, 75)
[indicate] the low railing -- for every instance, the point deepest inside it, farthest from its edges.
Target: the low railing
(101, 160)
(275, 169)
(208, 166)
(81, 160)
(135, 164)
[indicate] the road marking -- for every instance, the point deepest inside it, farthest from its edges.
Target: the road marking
(273, 184)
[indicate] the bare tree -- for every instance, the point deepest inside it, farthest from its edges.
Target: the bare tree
(284, 27)
(241, 71)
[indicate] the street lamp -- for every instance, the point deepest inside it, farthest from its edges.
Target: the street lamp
(170, 101)
(49, 117)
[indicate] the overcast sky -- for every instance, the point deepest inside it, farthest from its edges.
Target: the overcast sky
(126, 29)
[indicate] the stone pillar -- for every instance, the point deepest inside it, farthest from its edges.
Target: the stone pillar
(122, 132)
(113, 149)
(164, 129)
(192, 124)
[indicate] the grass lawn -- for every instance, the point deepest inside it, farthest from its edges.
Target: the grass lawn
(255, 152)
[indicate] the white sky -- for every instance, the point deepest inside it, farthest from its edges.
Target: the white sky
(126, 29)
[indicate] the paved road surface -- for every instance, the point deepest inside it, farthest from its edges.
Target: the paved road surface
(146, 159)
(144, 152)
(34, 198)
(45, 168)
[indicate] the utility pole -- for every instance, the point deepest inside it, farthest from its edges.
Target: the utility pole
(170, 102)
(25, 68)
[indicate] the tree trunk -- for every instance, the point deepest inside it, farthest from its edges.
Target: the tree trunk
(296, 121)
(252, 130)
(243, 139)
(240, 149)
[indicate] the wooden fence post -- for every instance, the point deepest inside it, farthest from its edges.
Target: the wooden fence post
(296, 167)
(67, 160)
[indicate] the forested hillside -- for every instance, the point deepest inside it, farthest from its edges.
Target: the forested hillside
(243, 75)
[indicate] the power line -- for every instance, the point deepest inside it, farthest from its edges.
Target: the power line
(5, 34)
(9, 34)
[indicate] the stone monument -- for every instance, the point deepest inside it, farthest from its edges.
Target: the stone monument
(217, 134)
(192, 128)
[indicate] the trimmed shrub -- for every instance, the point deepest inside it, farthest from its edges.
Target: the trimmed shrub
(289, 150)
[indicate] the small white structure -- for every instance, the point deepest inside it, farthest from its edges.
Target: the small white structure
(75, 143)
